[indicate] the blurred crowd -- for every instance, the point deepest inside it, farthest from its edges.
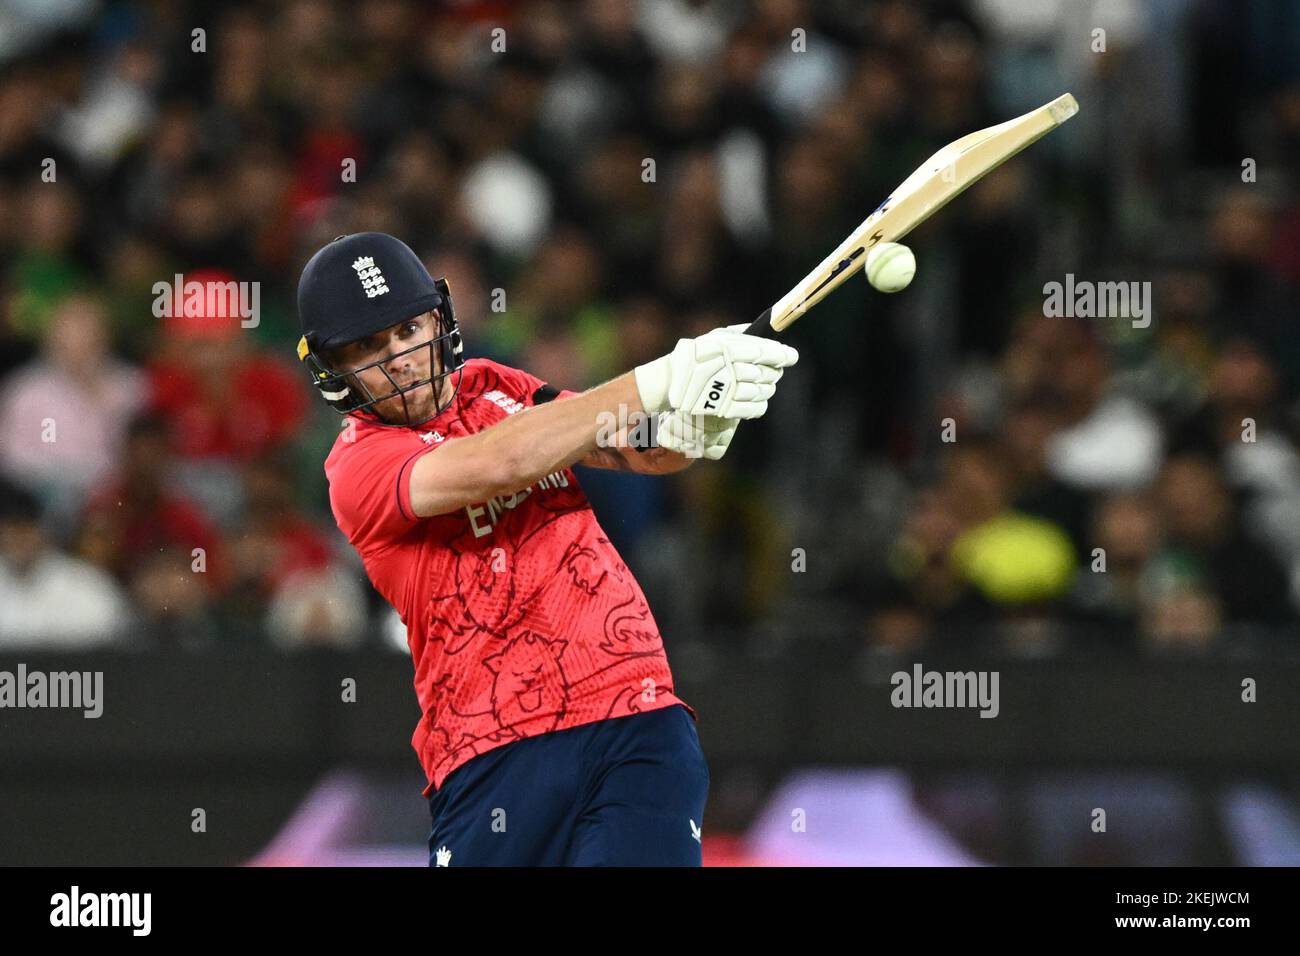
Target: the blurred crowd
(599, 177)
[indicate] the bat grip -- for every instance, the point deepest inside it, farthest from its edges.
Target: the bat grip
(762, 326)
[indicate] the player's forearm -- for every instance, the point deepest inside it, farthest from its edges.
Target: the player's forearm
(549, 437)
(655, 461)
(641, 461)
(519, 450)
(724, 374)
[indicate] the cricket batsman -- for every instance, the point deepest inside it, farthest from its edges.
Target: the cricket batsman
(551, 734)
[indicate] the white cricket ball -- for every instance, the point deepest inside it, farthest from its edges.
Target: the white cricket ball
(890, 267)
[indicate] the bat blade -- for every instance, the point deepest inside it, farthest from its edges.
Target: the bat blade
(929, 188)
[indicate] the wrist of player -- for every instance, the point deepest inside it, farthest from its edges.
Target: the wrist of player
(652, 381)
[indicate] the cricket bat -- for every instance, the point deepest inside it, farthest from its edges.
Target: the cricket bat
(927, 190)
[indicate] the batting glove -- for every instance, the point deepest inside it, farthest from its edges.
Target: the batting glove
(723, 373)
(696, 436)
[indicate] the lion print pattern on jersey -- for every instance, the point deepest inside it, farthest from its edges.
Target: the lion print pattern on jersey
(482, 626)
(502, 627)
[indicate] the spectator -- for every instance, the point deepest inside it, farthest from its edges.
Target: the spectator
(51, 261)
(62, 417)
(1011, 559)
(173, 606)
(48, 600)
(1111, 590)
(1183, 616)
(1242, 425)
(137, 515)
(274, 541)
(224, 401)
(1107, 440)
(318, 608)
(1026, 431)
(1199, 514)
(222, 398)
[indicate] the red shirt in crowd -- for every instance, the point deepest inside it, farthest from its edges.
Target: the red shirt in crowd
(139, 527)
(521, 617)
(262, 408)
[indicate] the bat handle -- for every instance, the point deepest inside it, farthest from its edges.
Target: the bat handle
(762, 326)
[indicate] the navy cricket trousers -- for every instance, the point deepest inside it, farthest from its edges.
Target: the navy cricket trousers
(626, 791)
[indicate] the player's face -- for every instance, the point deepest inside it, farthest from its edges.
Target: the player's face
(415, 365)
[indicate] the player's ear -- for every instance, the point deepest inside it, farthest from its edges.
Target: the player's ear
(333, 357)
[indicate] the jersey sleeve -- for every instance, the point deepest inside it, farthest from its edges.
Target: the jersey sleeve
(370, 490)
(545, 393)
(538, 391)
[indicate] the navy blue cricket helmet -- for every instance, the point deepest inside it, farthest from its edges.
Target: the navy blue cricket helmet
(361, 284)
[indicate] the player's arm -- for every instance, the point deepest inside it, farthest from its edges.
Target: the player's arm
(621, 455)
(681, 436)
(518, 451)
(680, 440)
(728, 374)
(621, 452)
